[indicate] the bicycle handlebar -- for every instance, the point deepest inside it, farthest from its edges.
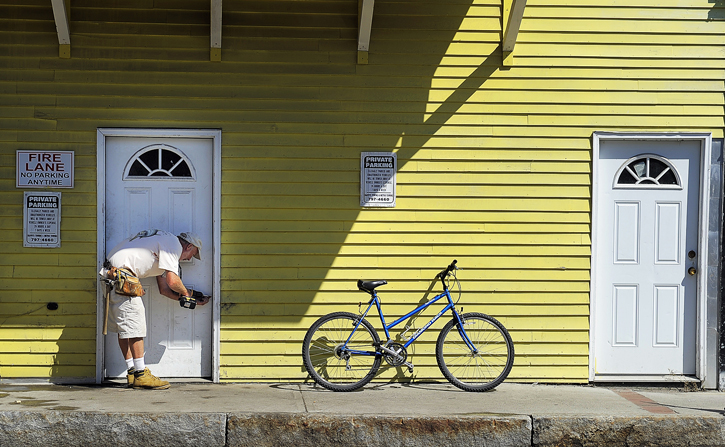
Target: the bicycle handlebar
(444, 273)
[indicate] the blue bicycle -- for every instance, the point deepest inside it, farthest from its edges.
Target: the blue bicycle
(342, 350)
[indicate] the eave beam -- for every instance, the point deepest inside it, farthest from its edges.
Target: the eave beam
(215, 54)
(513, 13)
(365, 26)
(61, 25)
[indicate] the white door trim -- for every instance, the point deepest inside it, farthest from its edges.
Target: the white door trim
(705, 147)
(215, 135)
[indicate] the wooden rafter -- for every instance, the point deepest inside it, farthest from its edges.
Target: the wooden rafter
(61, 25)
(513, 13)
(365, 27)
(216, 31)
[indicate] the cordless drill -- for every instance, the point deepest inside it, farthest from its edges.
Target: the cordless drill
(189, 301)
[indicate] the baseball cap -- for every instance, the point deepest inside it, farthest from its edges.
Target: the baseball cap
(194, 240)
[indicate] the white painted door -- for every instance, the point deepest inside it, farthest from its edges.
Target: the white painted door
(164, 183)
(646, 300)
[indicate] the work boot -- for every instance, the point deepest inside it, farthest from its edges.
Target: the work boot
(146, 380)
(130, 376)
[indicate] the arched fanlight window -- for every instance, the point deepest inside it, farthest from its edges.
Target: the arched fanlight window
(647, 171)
(159, 162)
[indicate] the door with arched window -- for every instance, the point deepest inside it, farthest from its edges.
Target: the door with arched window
(644, 306)
(164, 183)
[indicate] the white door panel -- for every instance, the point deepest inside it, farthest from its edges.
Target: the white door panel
(646, 303)
(157, 195)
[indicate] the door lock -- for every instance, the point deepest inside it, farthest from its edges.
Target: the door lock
(691, 271)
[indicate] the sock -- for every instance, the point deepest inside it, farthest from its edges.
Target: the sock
(129, 364)
(139, 365)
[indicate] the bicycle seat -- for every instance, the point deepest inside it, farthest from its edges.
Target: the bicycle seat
(369, 286)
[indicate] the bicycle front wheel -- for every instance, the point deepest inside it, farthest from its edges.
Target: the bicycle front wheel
(336, 363)
(481, 369)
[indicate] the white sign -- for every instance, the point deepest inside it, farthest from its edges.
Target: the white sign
(41, 219)
(377, 178)
(43, 169)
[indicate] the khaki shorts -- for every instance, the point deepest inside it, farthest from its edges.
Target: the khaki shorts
(127, 316)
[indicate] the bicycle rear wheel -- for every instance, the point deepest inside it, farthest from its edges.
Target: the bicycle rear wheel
(475, 371)
(334, 365)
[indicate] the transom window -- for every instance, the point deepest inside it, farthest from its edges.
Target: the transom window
(647, 171)
(161, 162)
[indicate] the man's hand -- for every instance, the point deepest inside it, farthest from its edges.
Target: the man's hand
(200, 298)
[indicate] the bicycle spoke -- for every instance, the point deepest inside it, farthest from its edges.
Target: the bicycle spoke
(334, 358)
(483, 368)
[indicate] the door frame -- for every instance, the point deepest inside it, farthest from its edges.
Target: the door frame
(213, 134)
(702, 359)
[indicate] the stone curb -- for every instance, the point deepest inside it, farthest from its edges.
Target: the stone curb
(324, 430)
(87, 429)
(90, 429)
(660, 431)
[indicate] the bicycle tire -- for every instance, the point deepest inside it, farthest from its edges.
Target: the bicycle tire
(331, 368)
(484, 370)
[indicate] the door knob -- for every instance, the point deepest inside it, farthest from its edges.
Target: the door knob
(691, 271)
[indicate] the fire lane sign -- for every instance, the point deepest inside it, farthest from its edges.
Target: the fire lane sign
(377, 179)
(44, 169)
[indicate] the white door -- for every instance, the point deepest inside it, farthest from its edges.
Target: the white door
(646, 300)
(164, 183)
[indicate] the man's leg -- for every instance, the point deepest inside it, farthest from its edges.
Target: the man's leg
(131, 318)
(142, 377)
(132, 348)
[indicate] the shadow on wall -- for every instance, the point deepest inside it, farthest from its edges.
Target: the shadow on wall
(717, 12)
(289, 241)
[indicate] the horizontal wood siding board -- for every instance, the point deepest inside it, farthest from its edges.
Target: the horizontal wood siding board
(494, 164)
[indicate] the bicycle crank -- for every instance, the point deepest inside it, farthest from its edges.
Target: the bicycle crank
(396, 357)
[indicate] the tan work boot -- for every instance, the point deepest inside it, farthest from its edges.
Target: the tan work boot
(130, 377)
(148, 381)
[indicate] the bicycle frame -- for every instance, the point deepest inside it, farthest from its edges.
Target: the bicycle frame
(386, 327)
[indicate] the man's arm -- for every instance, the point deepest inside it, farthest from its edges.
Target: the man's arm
(170, 286)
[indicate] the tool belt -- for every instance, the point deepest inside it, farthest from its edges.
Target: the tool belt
(124, 282)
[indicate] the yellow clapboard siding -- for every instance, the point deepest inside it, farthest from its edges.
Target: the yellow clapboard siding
(410, 250)
(394, 307)
(10, 310)
(525, 323)
(52, 334)
(336, 300)
(58, 371)
(292, 189)
(422, 227)
(272, 216)
(550, 373)
(414, 238)
(420, 349)
(288, 280)
(469, 265)
(237, 339)
(494, 164)
(48, 347)
(419, 203)
(422, 361)
(43, 359)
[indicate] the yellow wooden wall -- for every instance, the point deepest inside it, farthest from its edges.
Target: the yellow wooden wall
(494, 164)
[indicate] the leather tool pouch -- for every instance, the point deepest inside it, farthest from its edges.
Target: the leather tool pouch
(125, 282)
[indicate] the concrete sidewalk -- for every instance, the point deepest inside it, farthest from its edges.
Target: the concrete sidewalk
(418, 414)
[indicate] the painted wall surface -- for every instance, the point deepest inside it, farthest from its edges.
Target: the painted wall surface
(494, 164)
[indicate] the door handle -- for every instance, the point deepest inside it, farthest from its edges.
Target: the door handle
(692, 271)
